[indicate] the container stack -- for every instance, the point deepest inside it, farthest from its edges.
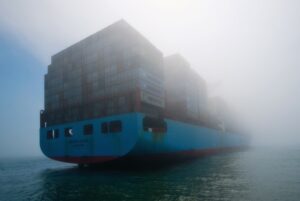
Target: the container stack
(114, 71)
(186, 96)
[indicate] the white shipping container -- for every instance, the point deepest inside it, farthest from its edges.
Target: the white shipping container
(152, 100)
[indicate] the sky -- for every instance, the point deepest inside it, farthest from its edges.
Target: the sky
(246, 50)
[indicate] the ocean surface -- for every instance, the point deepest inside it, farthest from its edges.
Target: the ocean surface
(254, 174)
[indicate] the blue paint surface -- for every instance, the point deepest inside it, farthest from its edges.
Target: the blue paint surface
(133, 140)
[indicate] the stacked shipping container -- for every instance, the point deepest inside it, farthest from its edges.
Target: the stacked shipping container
(117, 70)
(186, 96)
(113, 71)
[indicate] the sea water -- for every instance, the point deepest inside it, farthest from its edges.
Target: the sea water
(254, 174)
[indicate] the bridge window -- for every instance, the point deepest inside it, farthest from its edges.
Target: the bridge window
(104, 127)
(115, 126)
(68, 132)
(88, 129)
(152, 124)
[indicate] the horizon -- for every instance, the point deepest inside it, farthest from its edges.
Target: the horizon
(245, 51)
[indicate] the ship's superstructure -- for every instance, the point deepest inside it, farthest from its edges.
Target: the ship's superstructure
(113, 95)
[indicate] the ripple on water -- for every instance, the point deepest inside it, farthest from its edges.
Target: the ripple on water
(257, 174)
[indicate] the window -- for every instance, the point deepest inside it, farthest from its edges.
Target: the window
(68, 132)
(50, 134)
(88, 129)
(56, 133)
(104, 128)
(115, 126)
(154, 124)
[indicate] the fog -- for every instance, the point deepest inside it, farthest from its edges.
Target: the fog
(247, 51)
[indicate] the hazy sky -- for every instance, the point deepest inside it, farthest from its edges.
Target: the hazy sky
(248, 51)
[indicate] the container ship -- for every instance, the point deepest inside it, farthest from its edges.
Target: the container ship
(114, 95)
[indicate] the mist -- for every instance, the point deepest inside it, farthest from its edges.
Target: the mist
(247, 51)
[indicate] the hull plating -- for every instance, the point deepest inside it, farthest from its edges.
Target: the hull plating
(180, 139)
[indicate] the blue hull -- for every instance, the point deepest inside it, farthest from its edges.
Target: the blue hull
(133, 141)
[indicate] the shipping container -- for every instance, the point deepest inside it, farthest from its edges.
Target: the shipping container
(110, 72)
(185, 91)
